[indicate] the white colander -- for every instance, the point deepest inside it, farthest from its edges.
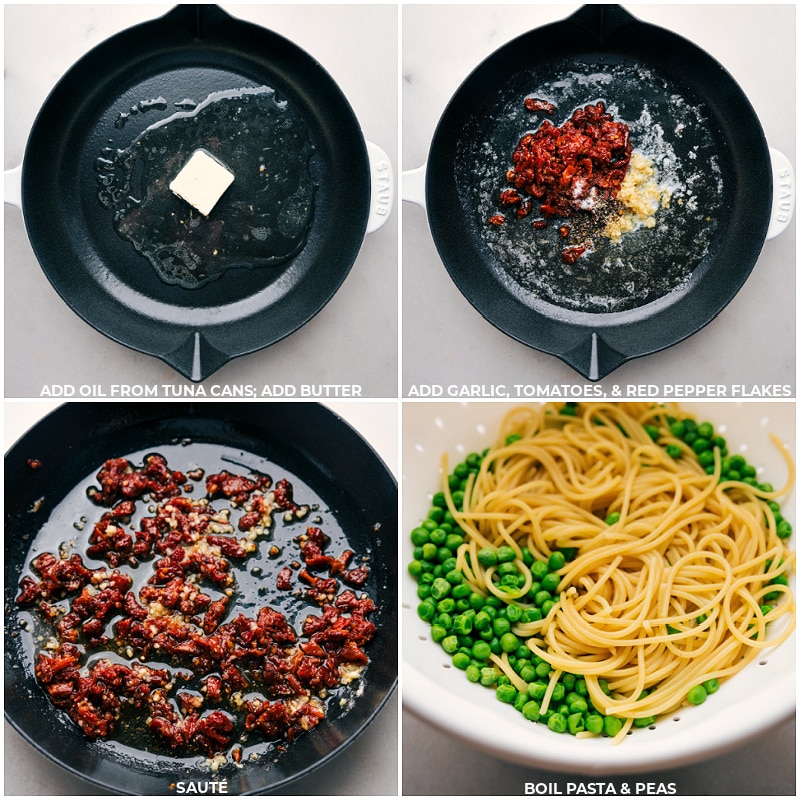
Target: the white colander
(762, 695)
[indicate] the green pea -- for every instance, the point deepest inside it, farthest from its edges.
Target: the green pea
(487, 557)
(438, 536)
(700, 444)
(556, 561)
(461, 470)
(440, 589)
(643, 722)
(539, 569)
(481, 650)
(550, 582)
(613, 518)
(711, 685)
(537, 689)
(501, 626)
(450, 644)
(611, 726)
(473, 460)
(420, 536)
(579, 706)
(531, 711)
(547, 606)
(473, 673)
(531, 615)
(784, 529)
(436, 514)
(509, 642)
(428, 551)
(557, 723)
(594, 723)
(482, 621)
(476, 600)
(446, 605)
(542, 597)
(438, 632)
(512, 437)
(426, 610)
(462, 625)
(673, 451)
(697, 695)
(543, 669)
(454, 576)
(678, 429)
(706, 458)
(575, 723)
(506, 553)
(506, 693)
(461, 660)
(706, 430)
(443, 555)
(462, 592)
(652, 431)
(489, 676)
(415, 568)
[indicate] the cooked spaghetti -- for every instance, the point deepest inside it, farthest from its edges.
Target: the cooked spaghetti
(674, 568)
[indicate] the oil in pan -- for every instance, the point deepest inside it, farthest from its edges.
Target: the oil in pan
(643, 264)
(261, 220)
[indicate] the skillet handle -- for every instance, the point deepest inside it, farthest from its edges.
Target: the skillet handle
(382, 187)
(414, 185)
(783, 193)
(12, 191)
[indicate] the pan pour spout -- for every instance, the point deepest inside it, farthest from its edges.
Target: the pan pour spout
(602, 21)
(197, 18)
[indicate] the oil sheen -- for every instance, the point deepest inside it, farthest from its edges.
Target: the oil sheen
(263, 218)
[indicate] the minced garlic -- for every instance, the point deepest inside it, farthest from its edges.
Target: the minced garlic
(640, 196)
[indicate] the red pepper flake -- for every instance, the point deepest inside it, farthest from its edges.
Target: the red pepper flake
(539, 224)
(535, 104)
(569, 255)
(564, 231)
(497, 219)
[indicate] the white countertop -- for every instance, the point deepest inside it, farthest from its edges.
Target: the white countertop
(752, 341)
(46, 343)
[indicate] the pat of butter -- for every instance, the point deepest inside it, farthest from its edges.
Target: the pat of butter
(202, 181)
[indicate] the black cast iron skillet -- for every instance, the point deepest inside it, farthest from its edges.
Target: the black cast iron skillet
(646, 67)
(329, 463)
(190, 52)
